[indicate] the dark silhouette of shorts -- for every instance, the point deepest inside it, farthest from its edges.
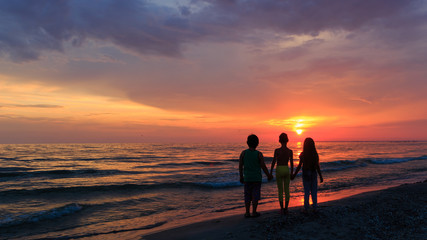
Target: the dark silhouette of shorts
(252, 191)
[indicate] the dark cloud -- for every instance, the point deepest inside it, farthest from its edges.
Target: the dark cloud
(30, 27)
(27, 28)
(311, 17)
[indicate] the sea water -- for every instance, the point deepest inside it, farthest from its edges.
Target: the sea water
(63, 191)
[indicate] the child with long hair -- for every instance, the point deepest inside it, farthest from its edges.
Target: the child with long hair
(309, 161)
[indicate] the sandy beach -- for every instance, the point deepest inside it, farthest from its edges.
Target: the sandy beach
(394, 213)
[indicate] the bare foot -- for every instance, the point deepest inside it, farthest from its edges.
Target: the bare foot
(256, 214)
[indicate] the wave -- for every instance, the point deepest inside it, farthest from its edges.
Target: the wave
(218, 184)
(211, 182)
(115, 189)
(341, 165)
(226, 209)
(175, 164)
(10, 169)
(27, 173)
(329, 166)
(206, 163)
(83, 159)
(8, 158)
(395, 160)
(74, 189)
(13, 171)
(150, 226)
(41, 215)
(363, 162)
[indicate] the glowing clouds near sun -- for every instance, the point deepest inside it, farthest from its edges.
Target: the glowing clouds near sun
(296, 124)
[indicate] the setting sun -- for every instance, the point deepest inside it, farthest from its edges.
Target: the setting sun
(298, 126)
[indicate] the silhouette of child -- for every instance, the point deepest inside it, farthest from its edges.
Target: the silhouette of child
(309, 160)
(251, 162)
(282, 156)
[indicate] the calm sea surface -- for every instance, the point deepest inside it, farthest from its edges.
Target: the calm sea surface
(95, 190)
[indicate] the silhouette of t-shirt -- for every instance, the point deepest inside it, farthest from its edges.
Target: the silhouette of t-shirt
(251, 166)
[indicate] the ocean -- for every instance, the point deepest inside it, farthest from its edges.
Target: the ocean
(76, 191)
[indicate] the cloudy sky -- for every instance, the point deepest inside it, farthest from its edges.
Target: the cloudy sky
(212, 71)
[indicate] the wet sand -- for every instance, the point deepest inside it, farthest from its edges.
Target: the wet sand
(394, 213)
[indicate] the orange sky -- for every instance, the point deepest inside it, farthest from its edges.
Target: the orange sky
(212, 72)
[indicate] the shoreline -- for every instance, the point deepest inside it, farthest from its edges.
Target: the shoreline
(392, 213)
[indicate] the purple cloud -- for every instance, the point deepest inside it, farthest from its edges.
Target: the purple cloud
(28, 28)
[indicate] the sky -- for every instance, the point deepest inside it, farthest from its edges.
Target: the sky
(212, 71)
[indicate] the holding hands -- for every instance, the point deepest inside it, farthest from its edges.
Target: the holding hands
(294, 175)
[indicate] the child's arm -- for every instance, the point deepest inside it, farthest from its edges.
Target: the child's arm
(264, 168)
(273, 162)
(292, 161)
(298, 168)
(241, 166)
(318, 170)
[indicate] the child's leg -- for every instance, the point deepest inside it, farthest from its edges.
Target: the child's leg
(286, 181)
(248, 197)
(307, 186)
(254, 206)
(314, 190)
(256, 196)
(279, 181)
(247, 206)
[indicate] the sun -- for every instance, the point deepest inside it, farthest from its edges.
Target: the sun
(298, 126)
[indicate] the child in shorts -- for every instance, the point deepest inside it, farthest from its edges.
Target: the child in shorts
(251, 162)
